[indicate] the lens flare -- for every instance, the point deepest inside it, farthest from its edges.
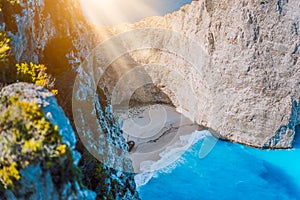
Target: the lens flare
(112, 12)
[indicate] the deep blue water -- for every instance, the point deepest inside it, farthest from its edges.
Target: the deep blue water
(230, 171)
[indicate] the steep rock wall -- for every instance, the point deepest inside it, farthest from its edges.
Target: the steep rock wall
(249, 89)
(55, 33)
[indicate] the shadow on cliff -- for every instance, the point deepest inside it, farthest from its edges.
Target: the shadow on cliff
(297, 137)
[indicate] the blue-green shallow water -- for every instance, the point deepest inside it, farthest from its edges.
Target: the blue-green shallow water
(230, 171)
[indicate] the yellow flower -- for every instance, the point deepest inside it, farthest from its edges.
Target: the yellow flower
(55, 92)
(62, 149)
(8, 174)
(31, 145)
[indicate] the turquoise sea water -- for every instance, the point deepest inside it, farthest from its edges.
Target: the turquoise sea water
(230, 171)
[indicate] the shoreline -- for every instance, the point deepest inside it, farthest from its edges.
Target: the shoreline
(161, 135)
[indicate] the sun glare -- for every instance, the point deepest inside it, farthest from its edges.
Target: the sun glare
(112, 12)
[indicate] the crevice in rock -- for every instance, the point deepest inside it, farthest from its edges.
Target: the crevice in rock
(209, 5)
(280, 5)
(295, 27)
(296, 49)
(256, 34)
(211, 42)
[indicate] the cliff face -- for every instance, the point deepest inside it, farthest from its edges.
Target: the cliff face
(54, 33)
(244, 82)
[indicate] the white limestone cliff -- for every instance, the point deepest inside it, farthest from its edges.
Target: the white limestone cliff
(248, 89)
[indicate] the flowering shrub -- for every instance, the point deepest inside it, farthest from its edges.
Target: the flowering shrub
(27, 137)
(36, 74)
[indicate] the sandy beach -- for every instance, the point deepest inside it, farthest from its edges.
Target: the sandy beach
(160, 133)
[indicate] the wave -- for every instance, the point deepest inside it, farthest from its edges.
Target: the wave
(169, 158)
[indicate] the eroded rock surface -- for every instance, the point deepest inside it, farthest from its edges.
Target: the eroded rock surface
(248, 88)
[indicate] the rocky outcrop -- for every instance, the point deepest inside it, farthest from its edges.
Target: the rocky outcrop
(38, 181)
(55, 33)
(47, 102)
(244, 82)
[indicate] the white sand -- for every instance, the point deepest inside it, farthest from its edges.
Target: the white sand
(160, 133)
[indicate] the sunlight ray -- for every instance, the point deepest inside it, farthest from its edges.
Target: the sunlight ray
(112, 12)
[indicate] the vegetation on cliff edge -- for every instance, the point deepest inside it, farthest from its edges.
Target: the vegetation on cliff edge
(26, 138)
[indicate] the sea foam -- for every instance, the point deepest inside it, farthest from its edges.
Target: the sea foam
(169, 158)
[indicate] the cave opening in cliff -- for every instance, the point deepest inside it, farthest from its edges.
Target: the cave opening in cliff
(149, 94)
(151, 122)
